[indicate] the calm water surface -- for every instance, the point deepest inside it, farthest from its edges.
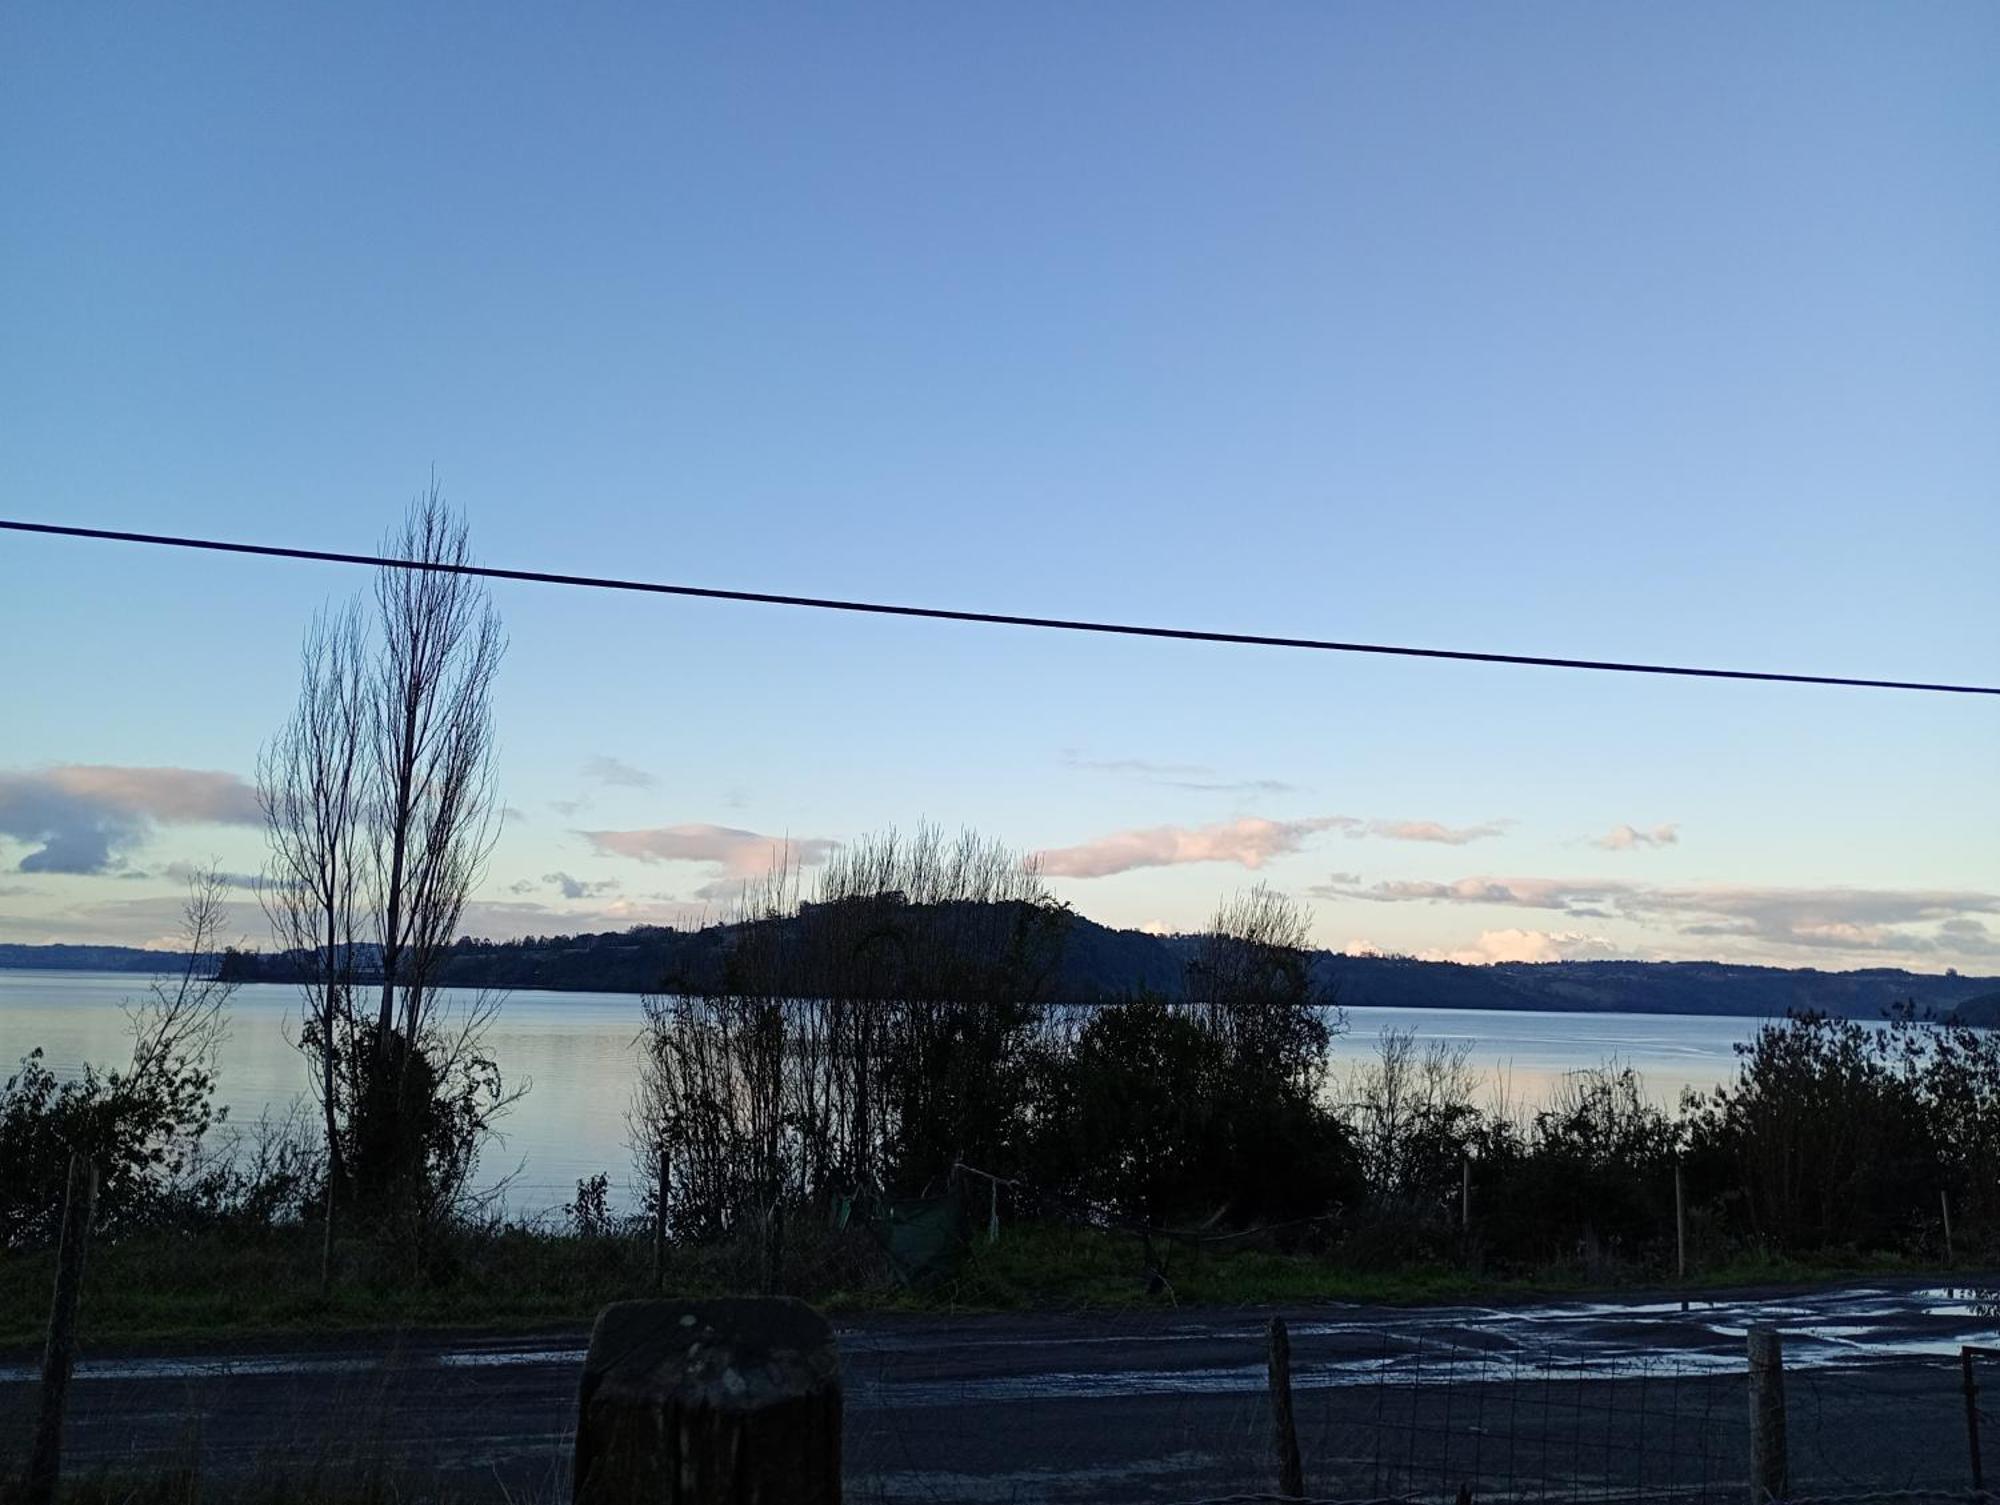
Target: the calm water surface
(577, 1054)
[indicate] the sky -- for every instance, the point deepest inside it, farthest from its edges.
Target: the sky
(1661, 333)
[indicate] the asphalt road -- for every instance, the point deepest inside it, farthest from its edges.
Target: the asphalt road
(1566, 1401)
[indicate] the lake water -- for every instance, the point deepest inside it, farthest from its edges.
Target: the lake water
(578, 1053)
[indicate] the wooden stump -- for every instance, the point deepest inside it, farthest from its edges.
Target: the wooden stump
(727, 1402)
(1770, 1467)
(1291, 1472)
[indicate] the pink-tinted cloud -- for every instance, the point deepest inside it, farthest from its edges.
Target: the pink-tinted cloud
(1527, 946)
(1249, 841)
(505, 919)
(1909, 922)
(1433, 831)
(730, 852)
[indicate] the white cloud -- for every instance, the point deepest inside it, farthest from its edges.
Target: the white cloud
(84, 818)
(1625, 838)
(604, 769)
(1193, 776)
(1249, 841)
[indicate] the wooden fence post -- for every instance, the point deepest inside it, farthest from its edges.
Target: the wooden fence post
(59, 1357)
(1770, 1469)
(1971, 1388)
(1291, 1472)
(660, 1224)
(706, 1402)
(774, 1246)
(1680, 1232)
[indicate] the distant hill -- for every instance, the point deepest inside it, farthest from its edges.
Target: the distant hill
(88, 958)
(1646, 987)
(1983, 1011)
(1099, 962)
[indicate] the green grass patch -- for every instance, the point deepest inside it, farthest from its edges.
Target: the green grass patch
(165, 1289)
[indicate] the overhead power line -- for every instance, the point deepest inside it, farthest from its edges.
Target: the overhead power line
(989, 618)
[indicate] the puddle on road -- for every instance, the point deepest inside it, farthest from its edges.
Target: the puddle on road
(194, 1369)
(1840, 1329)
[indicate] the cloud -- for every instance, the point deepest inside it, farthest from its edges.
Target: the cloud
(582, 888)
(608, 770)
(508, 919)
(151, 923)
(569, 887)
(1969, 937)
(1527, 946)
(1909, 922)
(181, 872)
(1525, 893)
(717, 890)
(1250, 841)
(731, 855)
(1625, 838)
(1430, 830)
(84, 818)
(1195, 776)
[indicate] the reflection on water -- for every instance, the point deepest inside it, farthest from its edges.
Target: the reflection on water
(1840, 1328)
(1982, 1302)
(578, 1052)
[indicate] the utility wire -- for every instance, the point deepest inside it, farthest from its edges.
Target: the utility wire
(988, 618)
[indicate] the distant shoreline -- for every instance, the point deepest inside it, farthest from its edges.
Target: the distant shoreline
(1100, 964)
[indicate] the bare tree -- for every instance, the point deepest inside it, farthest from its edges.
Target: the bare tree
(312, 782)
(380, 808)
(861, 1042)
(181, 1022)
(430, 729)
(1251, 984)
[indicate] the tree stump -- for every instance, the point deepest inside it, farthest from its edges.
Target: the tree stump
(727, 1402)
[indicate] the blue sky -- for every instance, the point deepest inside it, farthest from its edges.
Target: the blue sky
(1635, 332)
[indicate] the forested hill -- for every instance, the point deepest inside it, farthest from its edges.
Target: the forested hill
(87, 958)
(1099, 962)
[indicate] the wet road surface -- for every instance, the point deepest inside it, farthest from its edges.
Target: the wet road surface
(1566, 1400)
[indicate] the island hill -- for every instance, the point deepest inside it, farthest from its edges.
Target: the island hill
(1097, 963)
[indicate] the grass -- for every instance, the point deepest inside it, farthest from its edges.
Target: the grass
(165, 1290)
(280, 1486)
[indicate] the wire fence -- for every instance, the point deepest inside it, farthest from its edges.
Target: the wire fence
(1163, 1407)
(1449, 1418)
(1416, 1413)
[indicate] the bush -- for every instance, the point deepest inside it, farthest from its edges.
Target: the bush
(1210, 1109)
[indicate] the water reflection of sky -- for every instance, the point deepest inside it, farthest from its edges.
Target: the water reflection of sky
(576, 1054)
(1526, 1055)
